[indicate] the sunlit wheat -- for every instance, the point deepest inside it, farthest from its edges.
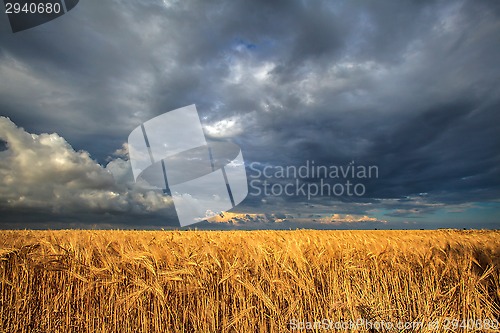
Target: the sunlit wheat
(238, 281)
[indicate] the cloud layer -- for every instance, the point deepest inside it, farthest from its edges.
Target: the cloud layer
(411, 87)
(44, 173)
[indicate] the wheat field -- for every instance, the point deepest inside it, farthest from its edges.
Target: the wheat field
(248, 281)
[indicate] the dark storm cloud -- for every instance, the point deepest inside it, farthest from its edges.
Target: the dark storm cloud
(411, 87)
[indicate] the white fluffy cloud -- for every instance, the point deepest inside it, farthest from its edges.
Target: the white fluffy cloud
(348, 218)
(45, 172)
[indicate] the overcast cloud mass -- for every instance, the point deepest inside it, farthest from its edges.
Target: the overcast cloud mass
(410, 87)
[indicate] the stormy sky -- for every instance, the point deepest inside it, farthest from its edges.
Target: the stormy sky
(410, 87)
